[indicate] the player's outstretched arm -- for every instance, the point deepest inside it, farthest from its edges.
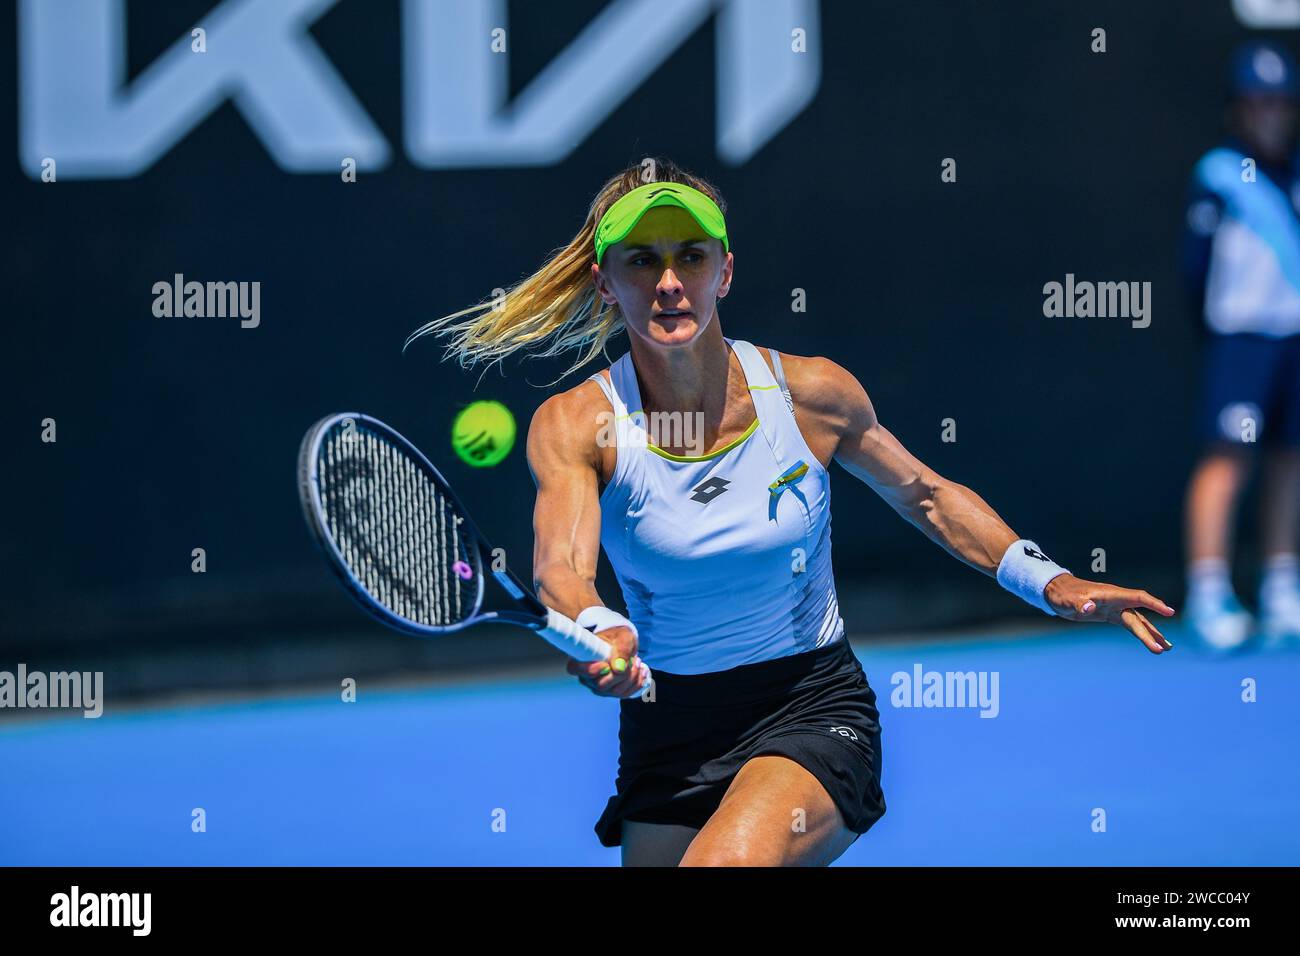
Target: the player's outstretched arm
(566, 539)
(961, 522)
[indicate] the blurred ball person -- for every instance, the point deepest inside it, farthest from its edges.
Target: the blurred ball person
(1242, 261)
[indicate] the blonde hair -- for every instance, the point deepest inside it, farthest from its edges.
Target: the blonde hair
(557, 305)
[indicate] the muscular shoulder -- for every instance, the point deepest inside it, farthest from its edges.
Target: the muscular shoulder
(563, 430)
(826, 391)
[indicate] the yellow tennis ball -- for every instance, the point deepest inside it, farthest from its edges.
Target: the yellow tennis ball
(483, 433)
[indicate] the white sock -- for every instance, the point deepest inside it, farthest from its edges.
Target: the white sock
(1281, 579)
(1208, 580)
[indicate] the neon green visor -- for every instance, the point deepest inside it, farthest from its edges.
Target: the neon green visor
(622, 217)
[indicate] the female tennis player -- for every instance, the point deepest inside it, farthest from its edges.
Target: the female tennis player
(758, 742)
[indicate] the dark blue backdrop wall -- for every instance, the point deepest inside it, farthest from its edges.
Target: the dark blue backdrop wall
(175, 434)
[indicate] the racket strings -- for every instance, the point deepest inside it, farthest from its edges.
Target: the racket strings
(396, 531)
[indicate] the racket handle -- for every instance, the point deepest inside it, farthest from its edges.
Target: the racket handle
(576, 641)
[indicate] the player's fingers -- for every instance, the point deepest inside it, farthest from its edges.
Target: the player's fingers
(636, 680)
(631, 681)
(604, 678)
(603, 674)
(1165, 643)
(617, 677)
(591, 674)
(581, 670)
(1121, 598)
(621, 688)
(595, 669)
(621, 672)
(1141, 628)
(631, 677)
(1131, 622)
(1148, 600)
(598, 686)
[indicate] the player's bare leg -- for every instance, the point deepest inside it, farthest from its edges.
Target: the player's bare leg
(775, 813)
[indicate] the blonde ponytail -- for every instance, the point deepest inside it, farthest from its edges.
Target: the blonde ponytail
(556, 308)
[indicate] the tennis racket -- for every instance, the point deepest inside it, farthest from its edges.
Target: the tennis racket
(402, 543)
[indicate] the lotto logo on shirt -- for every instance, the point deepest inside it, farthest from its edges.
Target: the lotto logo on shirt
(709, 489)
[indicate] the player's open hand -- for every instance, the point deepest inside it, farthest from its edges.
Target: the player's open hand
(621, 675)
(1078, 600)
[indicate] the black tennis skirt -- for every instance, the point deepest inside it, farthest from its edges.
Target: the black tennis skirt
(679, 752)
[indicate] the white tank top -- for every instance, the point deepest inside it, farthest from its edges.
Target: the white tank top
(721, 562)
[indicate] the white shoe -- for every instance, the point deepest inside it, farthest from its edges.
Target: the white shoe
(1220, 625)
(1279, 621)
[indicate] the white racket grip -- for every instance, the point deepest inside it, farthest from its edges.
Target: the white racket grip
(576, 641)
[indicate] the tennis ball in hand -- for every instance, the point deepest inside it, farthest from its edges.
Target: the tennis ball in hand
(483, 433)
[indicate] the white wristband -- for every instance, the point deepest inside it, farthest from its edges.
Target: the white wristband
(1025, 571)
(598, 618)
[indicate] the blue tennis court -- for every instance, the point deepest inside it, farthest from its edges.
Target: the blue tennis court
(516, 773)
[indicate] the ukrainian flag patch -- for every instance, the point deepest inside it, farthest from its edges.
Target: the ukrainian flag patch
(788, 478)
